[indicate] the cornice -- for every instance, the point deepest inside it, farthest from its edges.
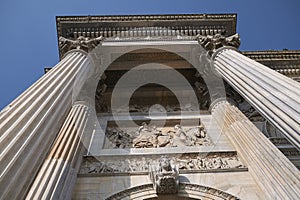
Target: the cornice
(145, 17)
(286, 62)
(141, 27)
(290, 72)
(273, 55)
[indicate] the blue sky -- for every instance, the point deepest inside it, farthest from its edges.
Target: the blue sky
(28, 31)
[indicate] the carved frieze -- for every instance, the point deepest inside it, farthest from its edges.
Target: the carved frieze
(143, 164)
(145, 109)
(153, 137)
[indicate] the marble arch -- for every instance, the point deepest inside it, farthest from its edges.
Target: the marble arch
(107, 52)
(186, 191)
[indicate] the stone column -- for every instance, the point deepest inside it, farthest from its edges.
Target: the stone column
(29, 125)
(275, 174)
(58, 174)
(274, 95)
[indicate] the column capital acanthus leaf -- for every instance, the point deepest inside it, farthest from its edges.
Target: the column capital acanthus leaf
(213, 42)
(81, 43)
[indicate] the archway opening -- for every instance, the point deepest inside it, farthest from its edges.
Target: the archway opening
(130, 60)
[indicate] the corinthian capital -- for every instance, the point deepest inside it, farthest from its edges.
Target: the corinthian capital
(81, 42)
(213, 42)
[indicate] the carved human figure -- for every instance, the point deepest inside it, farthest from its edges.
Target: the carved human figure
(145, 137)
(203, 95)
(99, 96)
(179, 137)
(200, 131)
(119, 138)
(165, 165)
(162, 139)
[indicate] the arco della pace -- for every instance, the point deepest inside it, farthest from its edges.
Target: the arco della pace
(155, 107)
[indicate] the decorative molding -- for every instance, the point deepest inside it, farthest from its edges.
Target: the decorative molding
(171, 17)
(188, 162)
(184, 190)
(289, 72)
(286, 62)
(125, 194)
(274, 55)
(147, 33)
(206, 190)
(109, 26)
(213, 42)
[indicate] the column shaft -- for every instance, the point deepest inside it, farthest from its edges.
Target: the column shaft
(59, 171)
(275, 174)
(29, 125)
(275, 96)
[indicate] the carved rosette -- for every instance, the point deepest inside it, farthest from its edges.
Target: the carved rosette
(83, 43)
(213, 42)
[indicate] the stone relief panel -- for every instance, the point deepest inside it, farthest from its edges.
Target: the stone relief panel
(193, 162)
(153, 137)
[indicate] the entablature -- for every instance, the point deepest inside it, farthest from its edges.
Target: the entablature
(150, 27)
(286, 62)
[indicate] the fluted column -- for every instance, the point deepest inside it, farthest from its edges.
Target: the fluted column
(274, 95)
(59, 171)
(29, 125)
(275, 174)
